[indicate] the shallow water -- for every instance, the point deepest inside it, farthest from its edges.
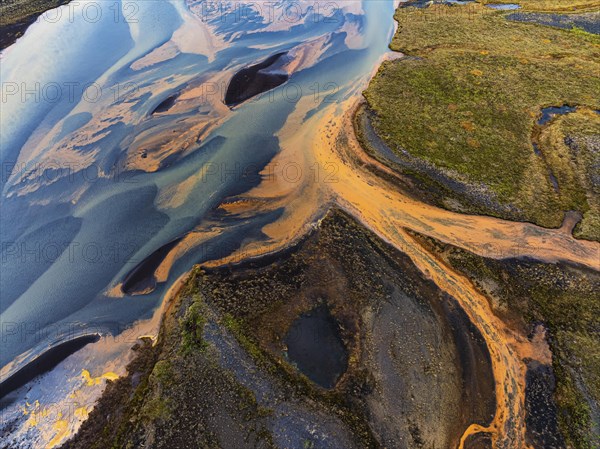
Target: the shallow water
(82, 207)
(117, 183)
(550, 112)
(99, 174)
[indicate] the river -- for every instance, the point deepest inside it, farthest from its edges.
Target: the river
(94, 182)
(102, 183)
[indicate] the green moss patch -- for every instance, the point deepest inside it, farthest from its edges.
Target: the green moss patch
(468, 98)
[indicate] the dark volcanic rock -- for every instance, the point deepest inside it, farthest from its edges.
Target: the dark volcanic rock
(542, 422)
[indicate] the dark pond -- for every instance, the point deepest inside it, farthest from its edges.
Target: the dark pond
(255, 80)
(316, 348)
(553, 180)
(550, 112)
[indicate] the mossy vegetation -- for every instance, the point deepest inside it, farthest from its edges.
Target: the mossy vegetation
(578, 160)
(258, 303)
(467, 100)
(566, 299)
(192, 326)
(176, 392)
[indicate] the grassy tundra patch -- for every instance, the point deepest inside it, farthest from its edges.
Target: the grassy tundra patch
(469, 99)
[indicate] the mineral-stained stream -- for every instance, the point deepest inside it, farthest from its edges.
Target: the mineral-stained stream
(150, 161)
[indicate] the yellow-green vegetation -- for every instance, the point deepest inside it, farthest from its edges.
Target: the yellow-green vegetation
(192, 326)
(561, 6)
(469, 99)
(567, 300)
(156, 406)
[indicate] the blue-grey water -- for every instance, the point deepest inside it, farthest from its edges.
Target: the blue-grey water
(77, 215)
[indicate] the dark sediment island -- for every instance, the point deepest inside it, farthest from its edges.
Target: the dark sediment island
(165, 105)
(254, 80)
(141, 279)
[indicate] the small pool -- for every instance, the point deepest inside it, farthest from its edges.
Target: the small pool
(550, 112)
(504, 6)
(316, 348)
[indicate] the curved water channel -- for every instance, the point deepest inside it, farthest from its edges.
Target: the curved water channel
(96, 180)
